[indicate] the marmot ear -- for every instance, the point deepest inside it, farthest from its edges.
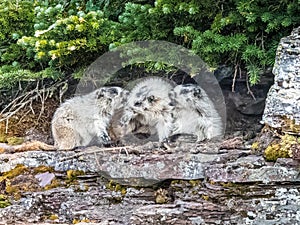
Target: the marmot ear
(171, 94)
(184, 91)
(125, 93)
(100, 93)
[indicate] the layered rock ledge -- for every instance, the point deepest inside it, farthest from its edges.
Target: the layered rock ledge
(187, 184)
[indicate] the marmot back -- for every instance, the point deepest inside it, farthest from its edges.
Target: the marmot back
(195, 113)
(84, 120)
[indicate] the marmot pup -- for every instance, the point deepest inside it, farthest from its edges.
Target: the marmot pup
(84, 120)
(148, 106)
(194, 113)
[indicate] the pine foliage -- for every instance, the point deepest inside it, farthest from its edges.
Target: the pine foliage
(67, 35)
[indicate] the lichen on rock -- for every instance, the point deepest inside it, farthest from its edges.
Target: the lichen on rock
(282, 110)
(282, 148)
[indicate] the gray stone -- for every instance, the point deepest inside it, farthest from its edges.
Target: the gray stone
(149, 166)
(227, 187)
(283, 101)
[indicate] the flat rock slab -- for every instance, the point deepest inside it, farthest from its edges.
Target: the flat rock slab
(199, 184)
(147, 165)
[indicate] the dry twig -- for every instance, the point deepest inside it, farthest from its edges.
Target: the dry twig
(234, 77)
(27, 146)
(27, 98)
(248, 87)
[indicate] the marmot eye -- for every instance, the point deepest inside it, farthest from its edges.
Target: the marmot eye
(100, 95)
(184, 91)
(197, 93)
(151, 99)
(113, 91)
(137, 104)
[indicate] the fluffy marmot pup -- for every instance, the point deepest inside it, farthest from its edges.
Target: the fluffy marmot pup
(194, 113)
(148, 106)
(119, 135)
(84, 120)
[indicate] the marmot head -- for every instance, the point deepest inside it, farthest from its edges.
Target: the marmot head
(151, 95)
(111, 96)
(187, 95)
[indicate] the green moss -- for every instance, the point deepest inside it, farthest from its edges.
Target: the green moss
(15, 140)
(255, 146)
(43, 169)
(205, 197)
(22, 179)
(228, 184)
(281, 148)
(54, 184)
(121, 189)
(73, 174)
(19, 169)
(53, 217)
(14, 189)
(4, 202)
(195, 183)
(290, 125)
(113, 186)
(3, 137)
(161, 196)
(110, 185)
(273, 152)
(118, 187)
(76, 221)
(175, 182)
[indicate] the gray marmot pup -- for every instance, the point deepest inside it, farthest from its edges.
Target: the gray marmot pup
(194, 113)
(84, 120)
(148, 106)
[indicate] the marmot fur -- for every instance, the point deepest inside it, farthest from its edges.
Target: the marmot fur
(84, 120)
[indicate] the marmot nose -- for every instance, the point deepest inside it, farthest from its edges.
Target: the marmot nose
(197, 93)
(172, 103)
